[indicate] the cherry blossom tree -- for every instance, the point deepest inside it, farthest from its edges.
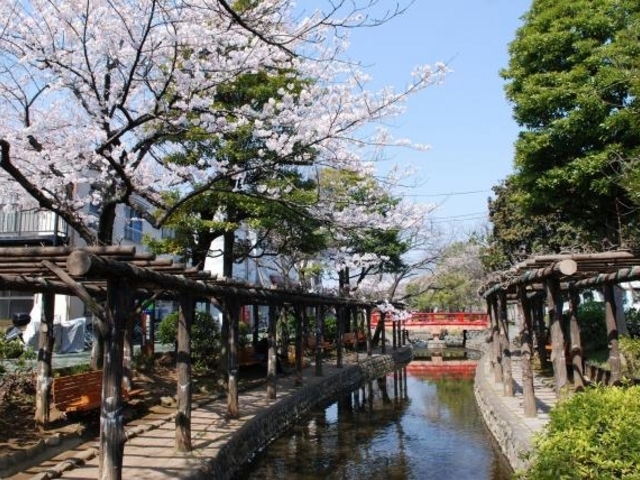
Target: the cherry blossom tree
(94, 91)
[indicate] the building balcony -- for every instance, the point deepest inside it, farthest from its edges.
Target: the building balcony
(32, 228)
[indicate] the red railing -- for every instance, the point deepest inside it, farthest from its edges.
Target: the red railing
(433, 318)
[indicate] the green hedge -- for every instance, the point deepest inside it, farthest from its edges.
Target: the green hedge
(591, 435)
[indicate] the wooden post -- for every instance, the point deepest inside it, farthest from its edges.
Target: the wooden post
(554, 304)
(112, 434)
(612, 334)
(298, 312)
(97, 348)
(576, 342)
(256, 325)
(45, 352)
(319, 338)
(272, 362)
(528, 393)
(505, 345)
(340, 320)
(354, 315)
(497, 350)
(367, 311)
(223, 366)
(127, 352)
(539, 329)
(232, 309)
(393, 333)
(183, 372)
(383, 333)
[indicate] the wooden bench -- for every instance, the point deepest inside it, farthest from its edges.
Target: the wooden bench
(247, 357)
(353, 340)
(324, 346)
(82, 392)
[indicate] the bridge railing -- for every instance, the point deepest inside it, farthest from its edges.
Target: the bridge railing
(418, 318)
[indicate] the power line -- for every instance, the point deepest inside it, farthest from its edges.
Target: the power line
(452, 194)
(460, 215)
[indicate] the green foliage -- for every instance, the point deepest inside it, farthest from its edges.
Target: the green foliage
(196, 223)
(244, 334)
(573, 82)
(11, 349)
(519, 233)
(330, 328)
(591, 435)
(632, 317)
(205, 339)
(630, 351)
(593, 329)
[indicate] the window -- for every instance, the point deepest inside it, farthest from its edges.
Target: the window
(133, 226)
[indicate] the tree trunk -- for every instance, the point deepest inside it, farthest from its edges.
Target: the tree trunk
(528, 393)
(112, 434)
(45, 352)
(612, 335)
(183, 371)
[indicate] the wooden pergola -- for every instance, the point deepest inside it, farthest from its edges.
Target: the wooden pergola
(551, 280)
(115, 283)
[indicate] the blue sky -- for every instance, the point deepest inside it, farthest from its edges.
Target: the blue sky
(467, 120)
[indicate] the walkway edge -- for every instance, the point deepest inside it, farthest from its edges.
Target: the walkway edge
(272, 422)
(514, 442)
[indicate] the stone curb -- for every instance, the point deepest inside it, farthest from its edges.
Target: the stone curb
(10, 462)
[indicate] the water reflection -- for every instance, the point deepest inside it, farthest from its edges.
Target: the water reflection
(412, 424)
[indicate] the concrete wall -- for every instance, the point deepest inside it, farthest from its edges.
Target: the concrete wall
(256, 434)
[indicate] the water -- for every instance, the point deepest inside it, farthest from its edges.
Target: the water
(418, 423)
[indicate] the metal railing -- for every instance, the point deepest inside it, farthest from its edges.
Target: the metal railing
(31, 223)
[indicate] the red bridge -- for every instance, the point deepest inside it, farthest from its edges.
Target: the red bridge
(434, 323)
(439, 368)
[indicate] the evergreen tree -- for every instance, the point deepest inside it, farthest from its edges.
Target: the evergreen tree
(572, 79)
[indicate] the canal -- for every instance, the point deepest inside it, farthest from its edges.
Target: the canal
(419, 422)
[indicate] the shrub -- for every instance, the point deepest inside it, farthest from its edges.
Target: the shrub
(205, 339)
(630, 350)
(632, 316)
(591, 435)
(12, 349)
(593, 329)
